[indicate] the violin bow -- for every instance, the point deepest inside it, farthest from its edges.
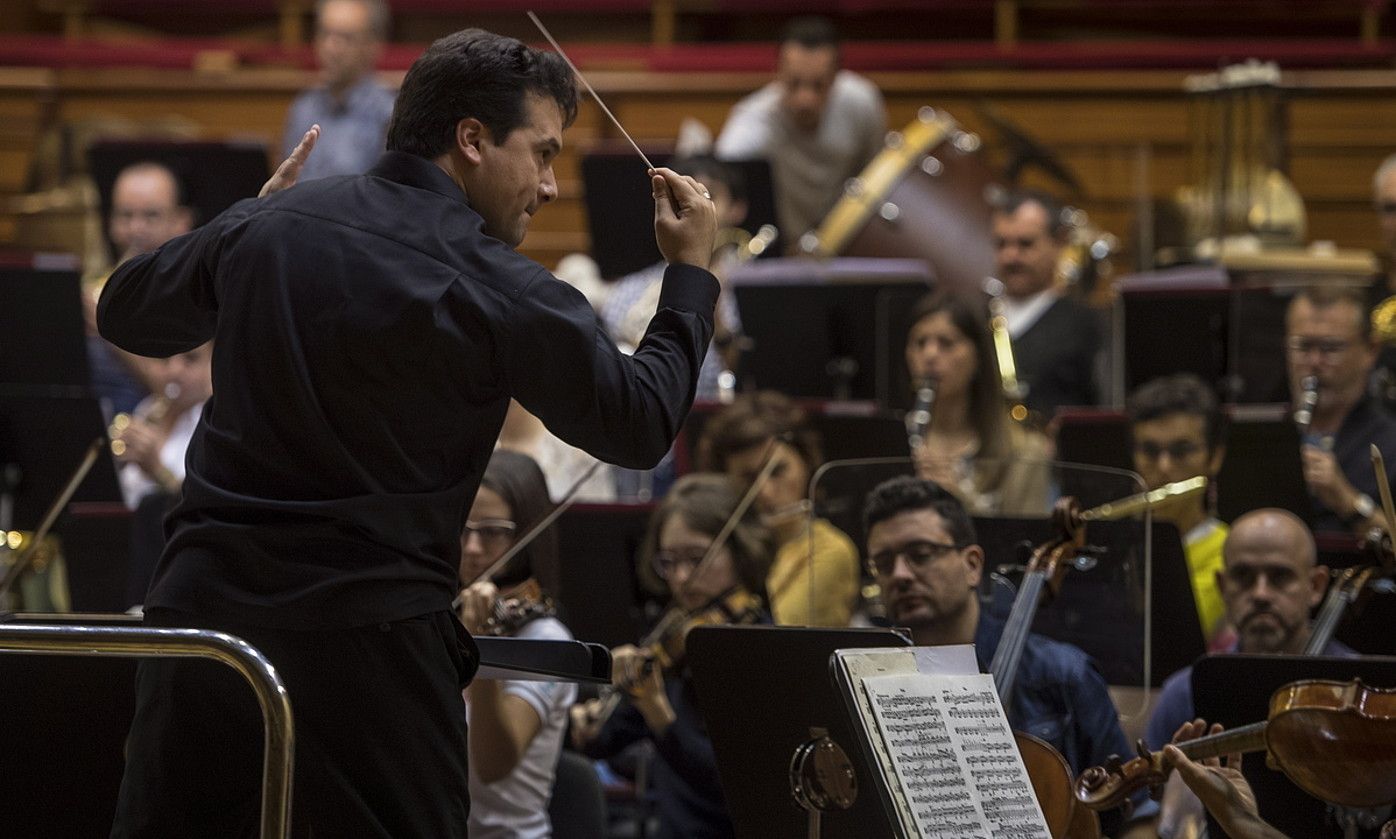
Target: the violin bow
(1388, 509)
(544, 523)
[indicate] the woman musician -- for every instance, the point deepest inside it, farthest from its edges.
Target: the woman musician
(515, 727)
(660, 706)
(971, 446)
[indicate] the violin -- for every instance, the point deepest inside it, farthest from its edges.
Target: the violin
(1050, 775)
(1334, 740)
(518, 606)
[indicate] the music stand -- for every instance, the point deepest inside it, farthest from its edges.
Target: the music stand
(215, 175)
(599, 591)
(620, 207)
(761, 689)
(831, 330)
(46, 438)
(1235, 690)
(1262, 467)
(43, 340)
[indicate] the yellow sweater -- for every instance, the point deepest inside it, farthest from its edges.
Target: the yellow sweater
(814, 579)
(1203, 549)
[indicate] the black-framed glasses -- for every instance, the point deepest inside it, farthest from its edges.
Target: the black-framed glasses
(1325, 347)
(490, 531)
(917, 554)
(1177, 450)
(666, 563)
(1386, 208)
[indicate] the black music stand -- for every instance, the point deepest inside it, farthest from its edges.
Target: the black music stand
(833, 330)
(1235, 690)
(761, 689)
(45, 438)
(215, 175)
(620, 207)
(1262, 467)
(43, 341)
(599, 592)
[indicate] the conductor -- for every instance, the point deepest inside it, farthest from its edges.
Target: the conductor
(369, 332)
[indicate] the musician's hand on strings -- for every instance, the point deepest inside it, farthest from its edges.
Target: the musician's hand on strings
(1219, 784)
(636, 673)
(685, 220)
(476, 604)
(289, 171)
(586, 722)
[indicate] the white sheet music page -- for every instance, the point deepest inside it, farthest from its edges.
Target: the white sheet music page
(954, 755)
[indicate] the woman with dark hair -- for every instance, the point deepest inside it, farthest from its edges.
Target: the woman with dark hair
(516, 727)
(814, 580)
(971, 446)
(660, 706)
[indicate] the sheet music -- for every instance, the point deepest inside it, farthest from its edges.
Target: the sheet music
(937, 730)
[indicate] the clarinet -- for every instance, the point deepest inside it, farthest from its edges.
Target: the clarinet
(1308, 399)
(918, 420)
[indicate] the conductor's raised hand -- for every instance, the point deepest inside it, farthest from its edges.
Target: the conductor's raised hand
(289, 171)
(685, 221)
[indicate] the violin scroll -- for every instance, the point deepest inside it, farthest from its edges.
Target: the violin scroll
(1110, 786)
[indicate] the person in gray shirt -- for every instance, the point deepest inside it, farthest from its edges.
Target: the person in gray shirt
(818, 126)
(350, 105)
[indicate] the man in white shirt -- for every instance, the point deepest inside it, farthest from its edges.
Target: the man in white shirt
(818, 126)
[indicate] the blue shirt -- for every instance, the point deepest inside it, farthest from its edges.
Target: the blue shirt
(353, 131)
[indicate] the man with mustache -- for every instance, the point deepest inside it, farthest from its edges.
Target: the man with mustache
(1055, 338)
(1270, 582)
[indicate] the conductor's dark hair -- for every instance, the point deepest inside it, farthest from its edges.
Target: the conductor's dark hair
(907, 494)
(474, 73)
(1056, 220)
(1180, 393)
(519, 482)
(810, 32)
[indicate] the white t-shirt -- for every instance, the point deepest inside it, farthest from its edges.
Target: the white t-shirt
(135, 483)
(809, 169)
(516, 806)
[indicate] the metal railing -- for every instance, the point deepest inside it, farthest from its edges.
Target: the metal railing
(139, 642)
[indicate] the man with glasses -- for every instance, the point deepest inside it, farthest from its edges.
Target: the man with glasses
(1176, 426)
(1328, 334)
(351, 107)
(1270, 582)
(923, 553)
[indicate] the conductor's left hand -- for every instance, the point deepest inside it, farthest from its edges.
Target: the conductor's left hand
(289, 171)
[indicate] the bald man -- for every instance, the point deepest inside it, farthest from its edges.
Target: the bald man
(1270, 582)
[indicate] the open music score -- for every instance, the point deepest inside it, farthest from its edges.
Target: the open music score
(948, 756)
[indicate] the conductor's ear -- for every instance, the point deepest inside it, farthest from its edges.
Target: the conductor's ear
(469, 133)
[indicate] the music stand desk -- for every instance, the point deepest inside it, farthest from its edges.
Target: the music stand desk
(761, 689)
(1235, 690)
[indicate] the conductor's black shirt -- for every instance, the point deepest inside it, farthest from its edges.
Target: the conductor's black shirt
(368, 336)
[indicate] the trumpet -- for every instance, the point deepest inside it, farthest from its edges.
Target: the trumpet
(746, 245)
(159, 408)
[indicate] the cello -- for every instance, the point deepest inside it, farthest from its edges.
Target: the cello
(1048, 770)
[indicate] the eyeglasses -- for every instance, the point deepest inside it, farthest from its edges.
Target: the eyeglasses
(667, 563)
(1386, 208)
(1177, 450)
(917, 554)
(1325, 347)
(490, 531)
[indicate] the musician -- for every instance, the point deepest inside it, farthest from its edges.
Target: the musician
(1055, 338)
(371, 331)
(817, 124)
(1176, 426)
(516, 726)
(923, 553)
(148, 208)
(994, 465)
(814, 580)
(153, 445)
(1328, 335)
(1269, 582)
(659, 706)
(349, 104)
